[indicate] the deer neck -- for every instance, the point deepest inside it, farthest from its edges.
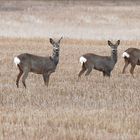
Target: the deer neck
(114, 55)
(55, 56)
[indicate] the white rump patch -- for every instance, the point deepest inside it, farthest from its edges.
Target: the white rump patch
(16, 60)
(125, 54)
(82, 60)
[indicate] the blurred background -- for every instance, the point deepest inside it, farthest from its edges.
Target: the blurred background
(96, 19)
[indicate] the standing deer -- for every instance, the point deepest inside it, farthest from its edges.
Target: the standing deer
(131, 56)
(104, 64)
(37, 64)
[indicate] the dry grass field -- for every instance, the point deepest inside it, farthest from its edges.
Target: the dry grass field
(92, 108)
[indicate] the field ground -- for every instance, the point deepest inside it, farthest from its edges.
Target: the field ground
(90, 108)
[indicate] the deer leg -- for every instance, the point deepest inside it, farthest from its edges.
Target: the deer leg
(132, 69)
(104, 73)
(88, 71)
(18, 77)
(24, 78)
(47, 81)
(125, 66)
(107, 73)
(46, 78)
(82, 71)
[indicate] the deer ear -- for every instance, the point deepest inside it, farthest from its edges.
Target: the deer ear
(60, 39)
(118, 43)
(109, 43)
(51, 41)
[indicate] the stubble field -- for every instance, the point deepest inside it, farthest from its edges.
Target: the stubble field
(92, 107)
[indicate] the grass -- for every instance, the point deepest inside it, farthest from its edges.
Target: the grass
(90, 108)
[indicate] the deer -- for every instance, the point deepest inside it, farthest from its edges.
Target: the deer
(37, 64)
(131, 56)
(104, 64)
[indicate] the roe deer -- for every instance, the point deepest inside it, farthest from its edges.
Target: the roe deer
(37, 64)
(131, 56)
(104, 64)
